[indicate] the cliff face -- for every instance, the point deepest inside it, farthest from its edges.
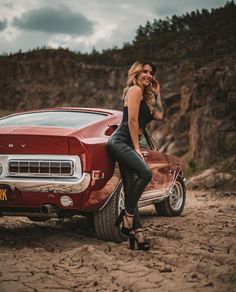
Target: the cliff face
(198, 96)
(48, 80)
(200, 110)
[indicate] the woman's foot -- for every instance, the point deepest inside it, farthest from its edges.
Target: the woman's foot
(127, 222)
(137, 237)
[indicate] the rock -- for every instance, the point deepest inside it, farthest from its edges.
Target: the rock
(210, 178)
(209, 182)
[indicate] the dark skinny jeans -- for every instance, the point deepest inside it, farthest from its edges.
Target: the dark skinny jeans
(134, 171)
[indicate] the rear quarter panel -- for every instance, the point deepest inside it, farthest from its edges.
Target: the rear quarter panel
(96, 157)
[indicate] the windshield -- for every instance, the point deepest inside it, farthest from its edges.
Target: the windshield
(64, 119)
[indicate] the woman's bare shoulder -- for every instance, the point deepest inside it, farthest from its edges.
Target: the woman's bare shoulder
(135, 90)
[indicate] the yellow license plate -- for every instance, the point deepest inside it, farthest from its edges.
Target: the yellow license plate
(4, 193)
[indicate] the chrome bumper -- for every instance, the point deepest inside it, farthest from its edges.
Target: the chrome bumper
(44, 183)
(52, 185)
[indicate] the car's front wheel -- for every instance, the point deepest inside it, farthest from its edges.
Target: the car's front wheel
(174, 204)
(104, 220)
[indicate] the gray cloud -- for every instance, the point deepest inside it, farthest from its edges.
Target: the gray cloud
(166, 10)
(163, 8)
(3, 24)
(55, 20)
(8, 5)
(115, 21)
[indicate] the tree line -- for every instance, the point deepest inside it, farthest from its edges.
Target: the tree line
(217, 24)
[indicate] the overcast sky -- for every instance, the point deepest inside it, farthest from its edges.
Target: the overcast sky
(81, 25)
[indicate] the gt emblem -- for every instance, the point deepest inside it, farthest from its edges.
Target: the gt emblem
(23, 145)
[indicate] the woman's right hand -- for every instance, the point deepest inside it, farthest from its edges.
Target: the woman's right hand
(139, 153)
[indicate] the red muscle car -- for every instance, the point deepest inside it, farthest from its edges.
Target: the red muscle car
(54, 163)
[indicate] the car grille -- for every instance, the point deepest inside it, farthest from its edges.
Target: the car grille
(40, 167)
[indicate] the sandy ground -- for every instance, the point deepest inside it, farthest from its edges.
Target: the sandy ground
(193, 252)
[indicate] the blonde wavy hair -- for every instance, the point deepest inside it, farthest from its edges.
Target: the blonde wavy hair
(133, 73)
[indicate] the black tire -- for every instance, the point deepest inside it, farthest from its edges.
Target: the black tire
(38, 219)
(174, 204)
(104, 220)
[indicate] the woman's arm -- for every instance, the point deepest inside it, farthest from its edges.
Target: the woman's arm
(158, 108)
(134, 97)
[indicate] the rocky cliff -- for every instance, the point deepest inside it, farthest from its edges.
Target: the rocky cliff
(198, 94)
(200, 103)
(198, 91)
(55, 78)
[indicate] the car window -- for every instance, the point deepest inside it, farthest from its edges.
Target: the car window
(64, 119)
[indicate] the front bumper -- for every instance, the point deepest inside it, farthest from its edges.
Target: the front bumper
(45, 185)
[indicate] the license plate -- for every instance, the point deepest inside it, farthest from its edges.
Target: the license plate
(4, 194)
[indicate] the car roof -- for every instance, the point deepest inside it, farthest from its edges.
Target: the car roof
(90, 109)
(80, 109)
(113, 116)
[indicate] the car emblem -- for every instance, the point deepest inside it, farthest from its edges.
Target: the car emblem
(12, 145)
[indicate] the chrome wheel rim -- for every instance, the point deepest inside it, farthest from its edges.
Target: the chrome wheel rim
(176, 196)
(121, 203)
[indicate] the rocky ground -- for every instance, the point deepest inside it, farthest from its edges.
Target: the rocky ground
(194, 252)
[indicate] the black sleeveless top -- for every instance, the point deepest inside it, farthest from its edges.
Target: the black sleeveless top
(144, 116)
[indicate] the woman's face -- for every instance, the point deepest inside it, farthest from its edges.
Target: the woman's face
(145, 77)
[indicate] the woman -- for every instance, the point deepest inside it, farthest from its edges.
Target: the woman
(142, 104)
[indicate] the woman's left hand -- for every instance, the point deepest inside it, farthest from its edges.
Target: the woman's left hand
(139, 153)
(155, 87)
(156, 108)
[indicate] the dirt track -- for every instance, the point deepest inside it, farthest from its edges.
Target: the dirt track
(194, 252)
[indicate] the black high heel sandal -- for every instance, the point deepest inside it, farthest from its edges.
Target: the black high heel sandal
(120, 219)
(141, 245)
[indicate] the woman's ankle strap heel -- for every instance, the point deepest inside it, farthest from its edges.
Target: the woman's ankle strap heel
(132, 242)
(141, 245)
(120, 219)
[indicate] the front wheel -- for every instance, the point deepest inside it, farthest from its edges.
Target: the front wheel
(174, 204)
(104, 220)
